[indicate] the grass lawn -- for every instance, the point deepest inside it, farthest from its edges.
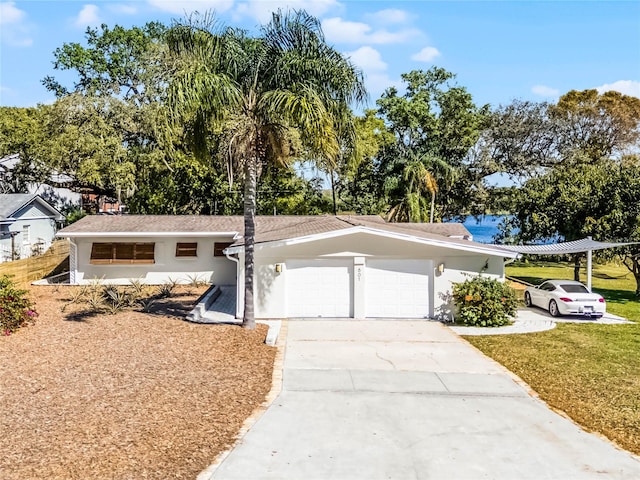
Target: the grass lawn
(589, 371)
(614, 282)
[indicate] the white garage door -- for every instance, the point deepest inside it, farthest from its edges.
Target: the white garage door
(397, 288)
(320, 288)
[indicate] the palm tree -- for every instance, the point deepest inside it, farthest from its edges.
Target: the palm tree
(419, 177)
(257, 90)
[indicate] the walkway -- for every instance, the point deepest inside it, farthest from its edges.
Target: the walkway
(529, 320)
(408, 400)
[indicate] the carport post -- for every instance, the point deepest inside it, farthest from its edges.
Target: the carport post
(589, 267)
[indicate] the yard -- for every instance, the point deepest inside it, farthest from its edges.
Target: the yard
(131, 395)
(589, 371)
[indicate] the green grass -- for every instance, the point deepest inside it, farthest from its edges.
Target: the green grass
(590, 371)
(614, 282)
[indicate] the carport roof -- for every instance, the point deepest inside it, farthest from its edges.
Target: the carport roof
(563, 248)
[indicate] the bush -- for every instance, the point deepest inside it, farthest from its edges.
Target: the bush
(16, 309)
(484, 302)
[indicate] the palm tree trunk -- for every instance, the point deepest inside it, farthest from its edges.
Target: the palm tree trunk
(250, 185)
(433, 205)
(333, 193)
(576, 267)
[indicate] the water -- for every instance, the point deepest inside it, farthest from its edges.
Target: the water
(484, 229)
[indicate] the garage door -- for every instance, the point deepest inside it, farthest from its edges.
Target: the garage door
(320, 288)
(397, 288)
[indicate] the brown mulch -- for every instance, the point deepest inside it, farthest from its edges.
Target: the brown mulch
(125, 396)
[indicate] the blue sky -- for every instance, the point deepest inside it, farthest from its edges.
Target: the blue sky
(499, 50)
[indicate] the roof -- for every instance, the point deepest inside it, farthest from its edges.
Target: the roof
(563, 248)
(271, 228)
(12, 202)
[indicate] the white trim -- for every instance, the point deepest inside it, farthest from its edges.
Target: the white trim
(474, 247)
(234, 235)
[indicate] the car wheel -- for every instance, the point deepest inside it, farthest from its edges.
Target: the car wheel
(553, 309)
(527, 299)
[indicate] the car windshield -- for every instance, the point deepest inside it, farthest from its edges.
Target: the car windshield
(571, 288)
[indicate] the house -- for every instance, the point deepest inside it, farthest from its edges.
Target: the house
(27, 225)
(54, 189)
(320, 266)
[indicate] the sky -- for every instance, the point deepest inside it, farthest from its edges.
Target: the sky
(499, 50)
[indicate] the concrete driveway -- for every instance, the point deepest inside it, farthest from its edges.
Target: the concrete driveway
(409, 400)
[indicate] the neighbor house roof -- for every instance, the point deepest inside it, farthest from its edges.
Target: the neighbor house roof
(11, 203)
(271, 228)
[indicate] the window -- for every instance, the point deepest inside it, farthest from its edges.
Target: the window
(186, 249)
(218, 248)
(123, 253)
(26, 234)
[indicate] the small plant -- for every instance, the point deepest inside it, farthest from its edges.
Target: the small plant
(195, 281)
(484, 302)
(166, 289)
(147, 304)
(115, 299)
(16, 309)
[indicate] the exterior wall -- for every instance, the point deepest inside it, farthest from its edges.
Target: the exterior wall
(206, 267)
(42, 230)
(271, 291)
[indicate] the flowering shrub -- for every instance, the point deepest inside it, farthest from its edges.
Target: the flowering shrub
(15, 308)
(484, 302)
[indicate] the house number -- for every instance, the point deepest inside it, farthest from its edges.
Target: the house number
(359, 273)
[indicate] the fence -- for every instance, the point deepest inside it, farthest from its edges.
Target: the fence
(54, 261)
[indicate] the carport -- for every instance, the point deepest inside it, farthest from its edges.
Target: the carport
(564, 248)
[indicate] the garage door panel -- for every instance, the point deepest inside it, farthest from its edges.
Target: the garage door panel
(319, 288)
(397, 288)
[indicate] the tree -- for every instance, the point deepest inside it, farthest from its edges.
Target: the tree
(524, 139)
(258, 89)
(436, 120)
(599, 199)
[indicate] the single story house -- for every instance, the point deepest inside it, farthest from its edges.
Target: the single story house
(28, 225)
(305, 266)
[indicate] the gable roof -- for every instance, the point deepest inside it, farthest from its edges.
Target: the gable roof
(275, 229)
(12, 202)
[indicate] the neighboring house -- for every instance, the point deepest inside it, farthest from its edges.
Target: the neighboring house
(321, 266)
(27, 225)
(50, 190)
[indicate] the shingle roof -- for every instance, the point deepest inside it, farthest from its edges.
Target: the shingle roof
(154, 224)
(11, 202)
(268, 228)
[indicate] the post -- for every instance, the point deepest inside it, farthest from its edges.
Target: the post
(589, 267)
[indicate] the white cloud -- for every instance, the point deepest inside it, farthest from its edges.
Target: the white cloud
(10, 14)
(427, 54)
(389, 16)
(544, 91)
(341, 31)
(368, 59)
(89, 16)
(627, 87)
(261, 10)
(188, 6)
(15, 30)
(123, 9)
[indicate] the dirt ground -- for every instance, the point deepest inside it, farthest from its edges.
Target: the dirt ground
(126, 396)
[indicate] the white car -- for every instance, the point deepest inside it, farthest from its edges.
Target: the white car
(565, 297)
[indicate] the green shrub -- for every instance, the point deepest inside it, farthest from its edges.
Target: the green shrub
(16, 309)
(484, 302)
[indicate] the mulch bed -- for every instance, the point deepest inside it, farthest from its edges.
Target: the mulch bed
(132, 395)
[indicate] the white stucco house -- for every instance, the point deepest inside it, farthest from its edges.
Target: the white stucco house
(28, 224)
(320, 266)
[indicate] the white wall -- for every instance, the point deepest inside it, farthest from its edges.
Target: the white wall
(42, 229)
(271, 292)
(215, 270)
